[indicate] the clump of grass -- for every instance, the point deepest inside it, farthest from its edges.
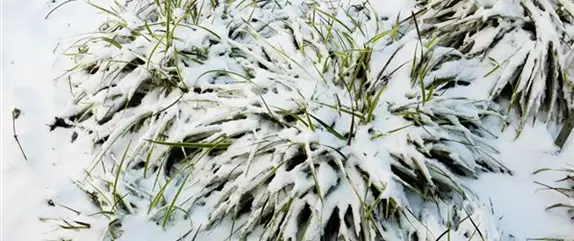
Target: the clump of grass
(271, 116)
(533, 74)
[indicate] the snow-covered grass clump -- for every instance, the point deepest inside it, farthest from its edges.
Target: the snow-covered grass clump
(527, 42)
(304, 120)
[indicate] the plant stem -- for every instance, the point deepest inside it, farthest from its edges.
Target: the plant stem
(15, 115)
(565, 132)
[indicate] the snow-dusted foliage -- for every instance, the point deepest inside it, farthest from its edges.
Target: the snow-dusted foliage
(298, 120)
(528, 43)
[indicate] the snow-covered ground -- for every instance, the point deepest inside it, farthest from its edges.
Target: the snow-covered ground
(518, 201)
(31, 46)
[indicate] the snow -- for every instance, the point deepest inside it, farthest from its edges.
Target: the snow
(517, 200)
(30, 61)
(28, 43)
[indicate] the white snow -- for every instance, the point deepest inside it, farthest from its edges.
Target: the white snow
(518, 200)
(28, 43)
(31, 46)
